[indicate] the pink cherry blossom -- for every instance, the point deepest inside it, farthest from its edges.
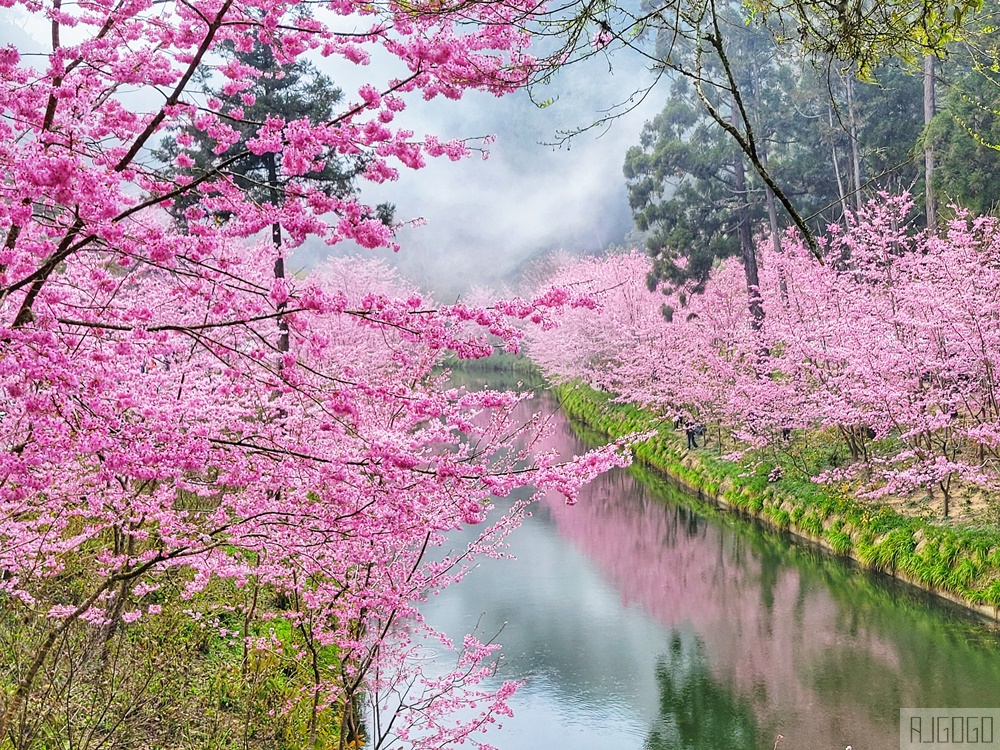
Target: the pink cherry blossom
(146, 398)
(893, 345)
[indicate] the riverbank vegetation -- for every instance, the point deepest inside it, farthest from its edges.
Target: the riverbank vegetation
(210, 671)
(859, 411)
(960, 562)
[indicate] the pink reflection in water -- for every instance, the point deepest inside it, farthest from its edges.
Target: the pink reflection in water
(768, 633)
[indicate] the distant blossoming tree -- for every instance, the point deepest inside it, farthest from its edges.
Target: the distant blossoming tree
(892, 345)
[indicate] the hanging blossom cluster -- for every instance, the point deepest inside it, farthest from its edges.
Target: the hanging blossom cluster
(158, 439)
(893, 345)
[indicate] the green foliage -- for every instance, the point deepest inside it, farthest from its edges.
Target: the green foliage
(679, 189)
(965, 136)
(779, 517)
(682, 188)
(890, 123)
(870, 33)
(499, 362)
(754, 502)
(840, 542)
(887, 554)
(811, 524)
(169, 680)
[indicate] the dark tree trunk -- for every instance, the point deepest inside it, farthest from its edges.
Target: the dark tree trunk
(746, 239)
(929, 111)
(279, 258)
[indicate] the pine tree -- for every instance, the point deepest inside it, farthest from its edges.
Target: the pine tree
(830, 146)
(293, 92)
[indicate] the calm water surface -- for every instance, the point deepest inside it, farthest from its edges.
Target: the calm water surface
(636, 622)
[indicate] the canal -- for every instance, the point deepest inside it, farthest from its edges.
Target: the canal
(637, 619)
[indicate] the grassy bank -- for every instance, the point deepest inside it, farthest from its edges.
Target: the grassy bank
(960, 564)
(172, 679)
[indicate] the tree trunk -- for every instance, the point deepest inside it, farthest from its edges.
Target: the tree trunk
(744, 137)
(772, 213)
(929, 111)
(746, 238)
(769, 199)
(836, 168)
(855, 151)
(772, 203)
(279, 258)
(772, 220)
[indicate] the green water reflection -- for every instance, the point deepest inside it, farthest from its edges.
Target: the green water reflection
(697, 711)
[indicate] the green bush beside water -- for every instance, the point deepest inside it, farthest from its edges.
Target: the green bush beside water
(960, 561)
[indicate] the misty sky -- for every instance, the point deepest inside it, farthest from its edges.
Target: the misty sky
(487, 219)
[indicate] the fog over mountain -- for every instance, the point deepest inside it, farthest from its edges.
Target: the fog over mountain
(486, 219)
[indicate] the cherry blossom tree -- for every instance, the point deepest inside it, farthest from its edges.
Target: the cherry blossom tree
(160, 438)
(890, 344)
